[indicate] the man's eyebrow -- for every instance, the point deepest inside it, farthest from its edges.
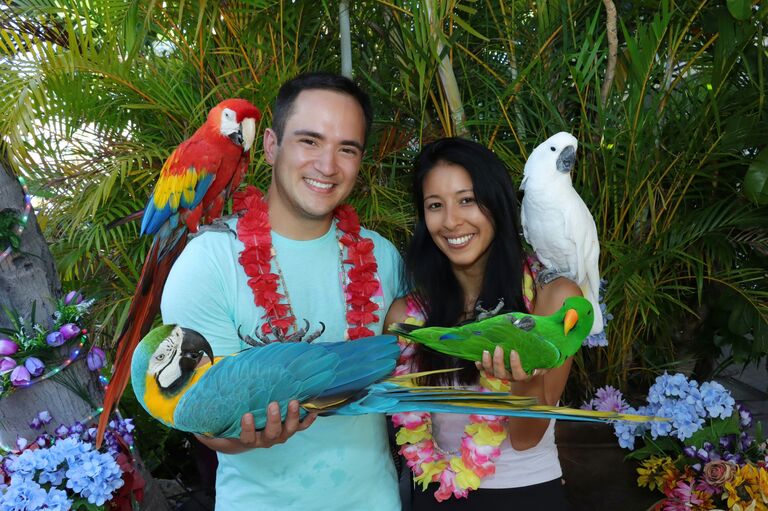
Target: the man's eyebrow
(319, 136)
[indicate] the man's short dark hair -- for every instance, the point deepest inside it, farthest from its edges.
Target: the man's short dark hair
(316, 81)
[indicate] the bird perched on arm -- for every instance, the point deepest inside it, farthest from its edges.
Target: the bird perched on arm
(541, 341)
(175, 384)
(557, 223)
(194, 184)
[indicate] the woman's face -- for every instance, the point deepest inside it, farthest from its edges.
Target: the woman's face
(456, 223)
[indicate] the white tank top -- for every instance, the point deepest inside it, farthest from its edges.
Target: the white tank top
(514, 469)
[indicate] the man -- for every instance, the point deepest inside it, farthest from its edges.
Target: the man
(224, 285)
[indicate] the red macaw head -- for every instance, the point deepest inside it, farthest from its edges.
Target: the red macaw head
(236, 119)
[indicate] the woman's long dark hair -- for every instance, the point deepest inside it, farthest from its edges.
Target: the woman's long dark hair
(429, 270)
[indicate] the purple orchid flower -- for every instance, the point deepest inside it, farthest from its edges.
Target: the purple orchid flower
(73, 298)
(8, 347)
(7, 364)
(69, 330)
(96, 358)
(55, 339)
(35, 366)
(20, 376)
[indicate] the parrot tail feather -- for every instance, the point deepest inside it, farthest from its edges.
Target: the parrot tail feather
(145, 305)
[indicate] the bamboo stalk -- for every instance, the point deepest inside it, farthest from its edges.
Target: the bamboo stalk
(613, 49)
(448, 77)
(346, 39)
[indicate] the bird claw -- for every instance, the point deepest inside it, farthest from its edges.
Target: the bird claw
(525, 323)
(299, 335)
(485, 314)
(546, 276)
(218, 225)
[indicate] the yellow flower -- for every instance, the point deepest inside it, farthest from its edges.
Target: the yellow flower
(465, 478)
(494, 384)
(412, 436)
(482, 434)
(652, 472)
(431, 470)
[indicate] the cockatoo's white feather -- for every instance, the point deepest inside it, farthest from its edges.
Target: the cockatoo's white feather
(556, 222)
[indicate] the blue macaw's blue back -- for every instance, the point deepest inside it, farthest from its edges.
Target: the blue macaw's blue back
(338, 462)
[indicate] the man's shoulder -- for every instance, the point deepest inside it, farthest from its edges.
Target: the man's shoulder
(378, 240)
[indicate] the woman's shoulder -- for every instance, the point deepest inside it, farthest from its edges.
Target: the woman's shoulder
(550, 296)
(402, 309)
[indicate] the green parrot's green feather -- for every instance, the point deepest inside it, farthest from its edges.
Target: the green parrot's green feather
(544, 345)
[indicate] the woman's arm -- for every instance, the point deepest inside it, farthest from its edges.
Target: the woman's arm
(546, 385)
(397, 313)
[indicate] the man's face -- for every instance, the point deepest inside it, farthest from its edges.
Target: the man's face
(316, 163)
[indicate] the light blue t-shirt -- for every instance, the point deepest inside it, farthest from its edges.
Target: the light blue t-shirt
(336, 463)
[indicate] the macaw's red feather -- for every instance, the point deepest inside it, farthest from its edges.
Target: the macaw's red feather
(195, 183)
(144, 307)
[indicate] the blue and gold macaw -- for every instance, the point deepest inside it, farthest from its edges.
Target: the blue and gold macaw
(174, 383)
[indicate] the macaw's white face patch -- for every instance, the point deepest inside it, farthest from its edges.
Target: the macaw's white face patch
(164, 364)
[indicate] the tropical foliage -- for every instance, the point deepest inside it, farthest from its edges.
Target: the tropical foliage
(672, 159)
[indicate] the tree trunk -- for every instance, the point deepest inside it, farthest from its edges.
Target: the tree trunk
(28, 280)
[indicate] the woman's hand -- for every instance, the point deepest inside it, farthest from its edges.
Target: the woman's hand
(494, 366)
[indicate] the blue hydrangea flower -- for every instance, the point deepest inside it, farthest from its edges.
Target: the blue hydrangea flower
(57, 500)
(600, 340)
(716, 400)
(96, 476)
(23, 497)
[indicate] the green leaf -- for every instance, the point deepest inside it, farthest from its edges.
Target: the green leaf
(756, 180)
(715, 430)
(740, 320)
(661, 446)
(740, 9)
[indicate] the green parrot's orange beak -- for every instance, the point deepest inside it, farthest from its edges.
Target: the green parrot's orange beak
(571, 317)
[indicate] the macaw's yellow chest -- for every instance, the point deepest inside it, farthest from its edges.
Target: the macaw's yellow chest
(162, 406)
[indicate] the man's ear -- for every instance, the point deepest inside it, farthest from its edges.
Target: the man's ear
(270, 145)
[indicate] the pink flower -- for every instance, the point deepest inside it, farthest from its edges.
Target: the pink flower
(409, 419)
(8, 347)
(719, 472)
(416, 454)
(6, 364)
(20, 376)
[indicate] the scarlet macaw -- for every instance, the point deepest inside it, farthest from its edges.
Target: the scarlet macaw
(194, 184)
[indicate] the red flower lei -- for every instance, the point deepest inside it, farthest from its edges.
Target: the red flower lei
(254, 230)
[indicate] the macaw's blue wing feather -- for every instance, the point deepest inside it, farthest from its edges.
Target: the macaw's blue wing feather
(249, 381)
(367, 361)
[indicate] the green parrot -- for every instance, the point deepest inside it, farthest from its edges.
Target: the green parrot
(541, 341)
(174, 383)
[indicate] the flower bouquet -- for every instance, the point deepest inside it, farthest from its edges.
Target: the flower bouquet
(62, 470)
(31, 354)
(704, 457)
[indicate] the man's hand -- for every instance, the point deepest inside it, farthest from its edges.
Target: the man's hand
(275, 431)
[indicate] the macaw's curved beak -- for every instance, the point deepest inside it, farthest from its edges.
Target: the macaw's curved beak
(193, 347)
(571, 317)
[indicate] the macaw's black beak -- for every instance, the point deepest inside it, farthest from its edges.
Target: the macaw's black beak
(193, 347)
(567, 159)
(237, 136)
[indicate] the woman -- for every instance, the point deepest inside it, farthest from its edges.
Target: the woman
(466, 253)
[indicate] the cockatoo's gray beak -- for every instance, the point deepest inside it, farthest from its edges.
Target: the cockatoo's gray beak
(566, 160)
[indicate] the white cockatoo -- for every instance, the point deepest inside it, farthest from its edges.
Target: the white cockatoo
(557, 223)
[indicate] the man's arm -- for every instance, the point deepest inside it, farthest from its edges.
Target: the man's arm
(199, 294)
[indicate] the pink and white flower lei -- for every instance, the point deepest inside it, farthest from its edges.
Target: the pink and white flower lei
(480, 441)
